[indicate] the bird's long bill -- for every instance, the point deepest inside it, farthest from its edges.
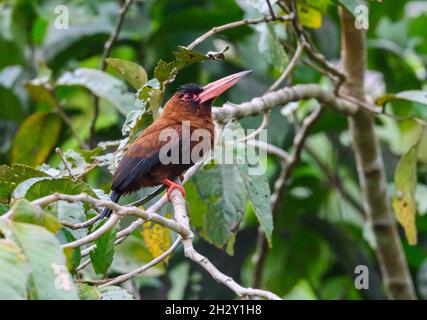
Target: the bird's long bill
(214, 89)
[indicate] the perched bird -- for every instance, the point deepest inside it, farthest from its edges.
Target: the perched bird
(142, 165)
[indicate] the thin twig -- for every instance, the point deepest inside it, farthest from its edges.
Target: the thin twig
(289, 68)
(60, 111)
(65, 162)
(144, 268)
(270, 8)
(335, 181)
(82, 225)
(263, 126)
(236, 24)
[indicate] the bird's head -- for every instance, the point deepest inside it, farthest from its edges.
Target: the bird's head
(193, 96)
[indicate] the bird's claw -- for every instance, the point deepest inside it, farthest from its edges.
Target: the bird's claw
(173, 185)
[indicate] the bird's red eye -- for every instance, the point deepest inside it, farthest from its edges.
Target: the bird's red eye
(189, 96)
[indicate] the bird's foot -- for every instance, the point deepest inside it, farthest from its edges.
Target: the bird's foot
(173, 185)
(181, 177)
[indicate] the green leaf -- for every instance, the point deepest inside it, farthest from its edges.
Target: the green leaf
(404, 204)
(24, 211)
(72, 255)
(14, 272)
(35, 138)
(101, 84)
(130, 71)
(183, 57)
(39, 29)
(39, 92)
(270, 47)
(259, 195)
(114, 293)
(220, 186)
(49, 278)
(36, 188)
(14, 55)
(11, 176)
(73, 213)
(10, 105)
(88, 292)
(4, 208)
(102, 255)
(410, 95)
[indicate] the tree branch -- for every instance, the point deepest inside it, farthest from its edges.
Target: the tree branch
(152, 263)
(236, 24)
(181, 217)
(283, 96)
(370, 166)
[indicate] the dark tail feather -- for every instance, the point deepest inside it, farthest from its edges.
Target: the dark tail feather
(115, 196)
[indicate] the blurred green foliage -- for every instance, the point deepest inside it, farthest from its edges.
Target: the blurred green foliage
(47, 75)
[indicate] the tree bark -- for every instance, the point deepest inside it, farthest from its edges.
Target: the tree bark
(370, 166)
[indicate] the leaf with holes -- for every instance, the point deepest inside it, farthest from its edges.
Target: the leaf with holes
(132, 72)
(12, 176)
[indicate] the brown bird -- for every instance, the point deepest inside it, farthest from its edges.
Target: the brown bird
(143, 165)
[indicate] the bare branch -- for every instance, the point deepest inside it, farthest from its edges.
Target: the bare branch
(144, 268)
(189, 251)
(370, 166)
(270, 8)
(283, 96)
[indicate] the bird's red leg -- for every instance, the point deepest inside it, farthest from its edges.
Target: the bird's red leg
(181, 177)
(173, 185)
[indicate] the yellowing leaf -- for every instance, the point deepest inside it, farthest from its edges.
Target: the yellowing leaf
(309, 17)
(157, 238)
(404, 198)
(36, 138)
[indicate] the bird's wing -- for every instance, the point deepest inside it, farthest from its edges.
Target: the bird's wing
(141, 156)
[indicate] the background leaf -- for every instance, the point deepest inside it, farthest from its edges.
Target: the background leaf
(404, 198)
(49, 277)
(101, 84)
(35, 138)
(14, 272)
(130, 71)
(157, 238)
